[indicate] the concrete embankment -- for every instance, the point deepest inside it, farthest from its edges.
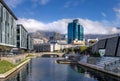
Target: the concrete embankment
(99, 69)
(14, 69)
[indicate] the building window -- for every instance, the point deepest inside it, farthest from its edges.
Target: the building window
(18, 37)
(18, 31)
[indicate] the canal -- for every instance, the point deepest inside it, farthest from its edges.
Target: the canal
(46, 69)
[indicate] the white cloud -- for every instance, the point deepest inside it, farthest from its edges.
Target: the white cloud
(13, 3)
(117, 10)
(103, 14)
(42, 2)
(72, 3)
(116, 22)
(90, 27)
(32, 25)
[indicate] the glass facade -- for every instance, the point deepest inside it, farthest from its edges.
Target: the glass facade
(11, 34)
(7, 26)
(21, 37)
(29, 42)
(75, 31)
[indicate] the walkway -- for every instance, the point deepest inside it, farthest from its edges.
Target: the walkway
(42, 53)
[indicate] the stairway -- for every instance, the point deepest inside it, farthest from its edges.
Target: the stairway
(105, 60)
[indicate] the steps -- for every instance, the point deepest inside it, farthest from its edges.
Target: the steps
(106, 60)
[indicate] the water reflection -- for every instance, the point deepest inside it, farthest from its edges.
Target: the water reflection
(50, 55)
(45, 69)
(20, 75)
(90, 73)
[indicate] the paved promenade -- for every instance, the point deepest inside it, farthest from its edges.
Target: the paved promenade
(98, 68)
(16, 58)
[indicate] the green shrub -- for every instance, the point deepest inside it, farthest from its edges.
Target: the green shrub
(83, 48)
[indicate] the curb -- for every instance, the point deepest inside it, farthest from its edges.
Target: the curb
(13, 70)
(99, 69)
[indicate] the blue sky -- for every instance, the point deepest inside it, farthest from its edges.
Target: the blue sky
(52, 14)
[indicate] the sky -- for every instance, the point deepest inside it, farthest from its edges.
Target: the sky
(96, 16)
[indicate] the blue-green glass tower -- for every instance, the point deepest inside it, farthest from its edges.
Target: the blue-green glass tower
(75, 31)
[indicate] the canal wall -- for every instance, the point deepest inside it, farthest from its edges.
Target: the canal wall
(110, 45)
(99, 69)
(15, 58)
(13, 70)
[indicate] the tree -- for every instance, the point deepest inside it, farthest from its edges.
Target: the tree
(83, 48)
(66, 50)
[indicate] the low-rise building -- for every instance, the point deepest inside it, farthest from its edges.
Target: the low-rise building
(42, 47)
(38, 41)
(91, 42)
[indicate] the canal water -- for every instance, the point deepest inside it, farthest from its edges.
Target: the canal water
(46, 69)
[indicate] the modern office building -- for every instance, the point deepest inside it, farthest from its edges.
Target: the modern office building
(29, 42)
(7, 26)
(21, 37)
(12, 35)
(75, 31)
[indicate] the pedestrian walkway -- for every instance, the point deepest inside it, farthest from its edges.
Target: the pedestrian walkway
(106, 64)
(106, 60)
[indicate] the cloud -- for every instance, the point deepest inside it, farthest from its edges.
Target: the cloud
(13, 3)
(42, 2)
(117, 13)
(72, 3)
(90, 27)
(32, 25)
(103, 14)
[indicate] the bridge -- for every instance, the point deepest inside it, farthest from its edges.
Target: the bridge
(51, 53)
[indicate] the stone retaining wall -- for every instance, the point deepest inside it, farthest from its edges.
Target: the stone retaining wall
(14, 59)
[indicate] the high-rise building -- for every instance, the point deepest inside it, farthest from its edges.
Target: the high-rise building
(75, 31)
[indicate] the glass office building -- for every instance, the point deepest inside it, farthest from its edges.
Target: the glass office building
(21, 37)
(11, 34)
(75, 31)
(7, 26)
(29, 42)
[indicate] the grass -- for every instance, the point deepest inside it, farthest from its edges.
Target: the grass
(30, 55)
(5, 66)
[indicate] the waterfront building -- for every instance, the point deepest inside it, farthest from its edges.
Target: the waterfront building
(7, 27)
(38, 41)
(29, 42)
(42, 47)
(21, 37)
(91, 42)
(75, 32)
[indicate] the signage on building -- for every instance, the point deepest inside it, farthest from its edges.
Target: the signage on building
(102, 52)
